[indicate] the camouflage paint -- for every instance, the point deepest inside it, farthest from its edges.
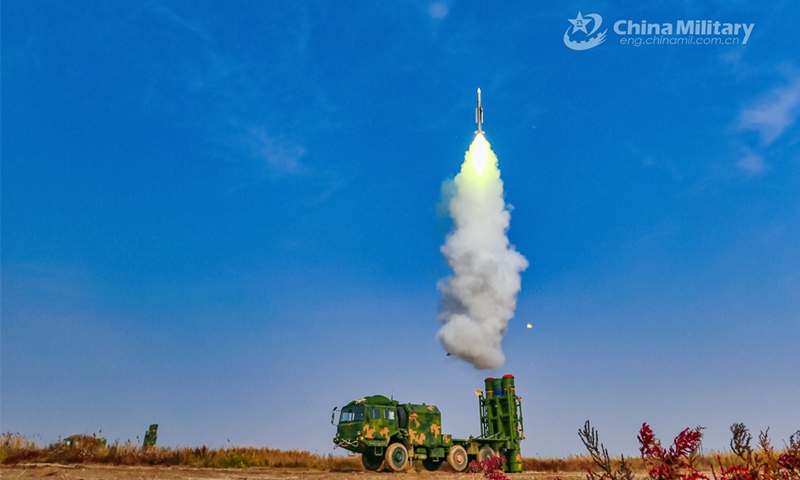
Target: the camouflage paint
(151, 436)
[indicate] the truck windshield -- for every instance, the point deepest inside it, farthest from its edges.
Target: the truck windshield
(352, 414)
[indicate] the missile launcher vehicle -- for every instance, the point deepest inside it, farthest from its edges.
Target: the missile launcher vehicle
(389, 434)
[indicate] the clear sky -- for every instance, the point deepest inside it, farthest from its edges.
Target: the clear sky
(224, 217)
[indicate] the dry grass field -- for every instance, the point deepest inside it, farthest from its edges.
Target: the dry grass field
(89, 458)
(98, 472)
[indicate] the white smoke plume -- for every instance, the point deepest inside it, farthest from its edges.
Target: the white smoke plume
(480, 297)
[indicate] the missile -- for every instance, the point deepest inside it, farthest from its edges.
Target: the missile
(479, 113)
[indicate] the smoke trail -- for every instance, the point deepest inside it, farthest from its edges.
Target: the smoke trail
(480, 297)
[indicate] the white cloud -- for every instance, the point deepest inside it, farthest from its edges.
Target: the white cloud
(776, 111)
(752, 163)
(279, 156)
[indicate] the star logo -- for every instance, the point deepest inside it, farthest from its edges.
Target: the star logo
(579, 23)
(586, 38)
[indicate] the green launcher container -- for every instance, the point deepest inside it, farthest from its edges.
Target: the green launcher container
(501, 419)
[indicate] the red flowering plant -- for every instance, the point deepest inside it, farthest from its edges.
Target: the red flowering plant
(789, 461)
(491, 468)
(761, 464)
(677, 462)
(732, 472)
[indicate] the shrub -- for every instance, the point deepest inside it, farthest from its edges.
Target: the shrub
(763, 463)
(599, 455)
(491, 468)
(677, 462)
(680, 461)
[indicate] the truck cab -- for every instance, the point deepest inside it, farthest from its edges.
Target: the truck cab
(387, 434)
(368, 422)
(368, 426)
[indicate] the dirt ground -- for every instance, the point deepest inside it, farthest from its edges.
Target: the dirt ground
(98, 472)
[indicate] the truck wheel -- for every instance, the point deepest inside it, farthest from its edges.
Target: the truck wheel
(457, 458)
(431, 465)
(371, 462)
(485, 453)
(397, 457)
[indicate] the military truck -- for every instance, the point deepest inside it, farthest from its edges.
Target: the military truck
(389, 434)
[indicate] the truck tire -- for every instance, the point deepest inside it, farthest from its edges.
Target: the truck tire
(371, 462)
(431, 465)
(397, 457)
(457, 458)
(485, 452)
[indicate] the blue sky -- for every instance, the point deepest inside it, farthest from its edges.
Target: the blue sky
(225, 217)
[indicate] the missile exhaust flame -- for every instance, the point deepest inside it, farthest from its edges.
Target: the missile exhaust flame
(479, 154)
(480, 297)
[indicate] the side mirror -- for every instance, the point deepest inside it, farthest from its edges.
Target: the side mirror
(333, 415)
